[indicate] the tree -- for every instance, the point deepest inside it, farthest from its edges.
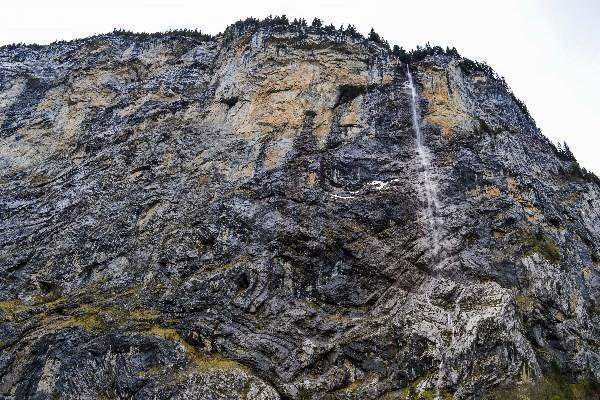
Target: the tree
(452, 52)
(374, 36)
(316, 23)
(280, 20)
(400, 53)
(564, 152)
(299, 22)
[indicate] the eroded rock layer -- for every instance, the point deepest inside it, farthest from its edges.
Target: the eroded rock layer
(244, 217)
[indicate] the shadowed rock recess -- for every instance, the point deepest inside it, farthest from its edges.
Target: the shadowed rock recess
(244, 217)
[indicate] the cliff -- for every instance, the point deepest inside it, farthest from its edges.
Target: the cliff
(253, 216)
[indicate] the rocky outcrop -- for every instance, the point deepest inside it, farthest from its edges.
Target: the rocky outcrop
(244, 217)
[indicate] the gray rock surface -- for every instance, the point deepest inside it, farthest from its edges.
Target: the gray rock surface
(244, 217)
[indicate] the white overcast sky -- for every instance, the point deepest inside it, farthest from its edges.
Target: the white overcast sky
(548, 50)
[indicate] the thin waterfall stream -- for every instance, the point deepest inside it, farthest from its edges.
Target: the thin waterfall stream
(429, 187)
(432, 204)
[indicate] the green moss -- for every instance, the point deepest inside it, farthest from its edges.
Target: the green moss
(411, 392)
(11, 308)
(97, 317)
(219, 268)
(485, 128)
(471, 238)
(50, 300)
(108, 394)
(203, 361)
(552, 387)
(357, 384)
(524, 302)
(150, 371)
(88, 317)
(544, 246)
(141, 314)
(304, 393)
(222, 267)
(89, 309)
(39, 179)
(86, 321)
(12, 305)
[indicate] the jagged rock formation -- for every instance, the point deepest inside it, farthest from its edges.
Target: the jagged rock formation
(244, 217)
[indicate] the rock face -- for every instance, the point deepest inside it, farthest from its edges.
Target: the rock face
(244, 217)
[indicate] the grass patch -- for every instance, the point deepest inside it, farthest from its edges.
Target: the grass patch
(485, 128)
(86, 321)
(11, 308)
(357, 384)
(544, 246)
(411, 391)
(204, 362)
(552, 387)
(39, 179)
(94, 317)
(524, 303)
(152, 371)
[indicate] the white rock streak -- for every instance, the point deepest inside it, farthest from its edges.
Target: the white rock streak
(377, 185)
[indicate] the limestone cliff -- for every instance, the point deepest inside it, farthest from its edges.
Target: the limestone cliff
(243, 216)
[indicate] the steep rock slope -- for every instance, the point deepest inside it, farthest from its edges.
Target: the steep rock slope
(245, 217)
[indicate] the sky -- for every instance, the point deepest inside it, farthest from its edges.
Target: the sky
(547, 50)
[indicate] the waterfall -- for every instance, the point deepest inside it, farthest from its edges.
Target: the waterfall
(430, 212)
(428, 186)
